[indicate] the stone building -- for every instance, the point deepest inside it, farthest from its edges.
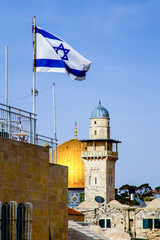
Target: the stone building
(91, 162)
(139, 222)
(100, 157)
(27, 176)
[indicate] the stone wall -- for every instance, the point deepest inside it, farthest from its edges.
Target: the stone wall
(95, 179)
(100, 179)
(99, 128)
(110, 179)
(58, 202)
(147, 233)
(25, 177)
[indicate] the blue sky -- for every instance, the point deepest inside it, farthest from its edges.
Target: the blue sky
(122, 39)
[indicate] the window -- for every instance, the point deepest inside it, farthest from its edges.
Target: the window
(157, 223)
(105, 223)
(9, 220)
(95, 180)
(94, 122)
(95, 132)
(108, 223)
(24, 221)
(147, 223)
(89, 180)
(102, 223)
(16, 222)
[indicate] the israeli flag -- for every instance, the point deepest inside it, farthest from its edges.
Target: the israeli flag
(55, 55)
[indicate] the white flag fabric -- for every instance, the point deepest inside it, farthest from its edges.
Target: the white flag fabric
(55, 55)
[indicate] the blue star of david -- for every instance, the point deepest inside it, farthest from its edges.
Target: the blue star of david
(65, 51)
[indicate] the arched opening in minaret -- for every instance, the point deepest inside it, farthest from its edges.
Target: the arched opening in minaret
(95, 180)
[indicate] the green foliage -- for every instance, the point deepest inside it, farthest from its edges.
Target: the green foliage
(147, 199)
(124, 190)
(143, 189)
(142, 192)
(157, 188)
(125, 200)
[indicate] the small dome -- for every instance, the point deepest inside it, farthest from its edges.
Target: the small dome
(100, 112)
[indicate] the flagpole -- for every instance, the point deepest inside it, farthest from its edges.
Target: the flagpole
(54, 112)
(34, 78)
(6, 75)
(6, 87)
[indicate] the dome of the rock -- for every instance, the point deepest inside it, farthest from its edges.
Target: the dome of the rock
(69, 154)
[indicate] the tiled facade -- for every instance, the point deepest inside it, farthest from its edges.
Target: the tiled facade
(27, 176)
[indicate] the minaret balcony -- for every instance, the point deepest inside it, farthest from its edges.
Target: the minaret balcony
(99, 153)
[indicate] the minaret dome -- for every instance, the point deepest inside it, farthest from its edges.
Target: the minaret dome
(99, 123)
(100, 112)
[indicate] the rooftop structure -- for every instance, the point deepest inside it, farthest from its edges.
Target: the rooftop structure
(20, 125)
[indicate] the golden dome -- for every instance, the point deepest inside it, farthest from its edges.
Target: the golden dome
(69, 154)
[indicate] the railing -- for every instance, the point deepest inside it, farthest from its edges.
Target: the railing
(112, 153)
(93, 153)
(99, 153)
(16, 123)
(20, 125)
(45, 141)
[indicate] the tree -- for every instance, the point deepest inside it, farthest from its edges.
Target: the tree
(122, 195)
(143, 189)
(124, 190)
(157, 188)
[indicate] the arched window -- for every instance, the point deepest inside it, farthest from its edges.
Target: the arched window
(9, 220)
(95, 180)
(24, 221)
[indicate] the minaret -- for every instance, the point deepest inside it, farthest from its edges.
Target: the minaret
(100, 157)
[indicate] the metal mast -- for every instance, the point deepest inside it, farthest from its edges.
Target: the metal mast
(6, 75)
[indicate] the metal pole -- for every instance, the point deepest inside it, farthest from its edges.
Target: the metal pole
(34, 77)
(9, 122)
(6, 75)
(54, 112)
(6, 86)
(30, 128)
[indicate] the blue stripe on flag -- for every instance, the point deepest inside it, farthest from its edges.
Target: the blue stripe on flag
(75, 72)
(47, 34)
(50, 63)
(59, 64)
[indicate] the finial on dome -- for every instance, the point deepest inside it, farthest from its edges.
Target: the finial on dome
(99, 102)
(75, 131)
